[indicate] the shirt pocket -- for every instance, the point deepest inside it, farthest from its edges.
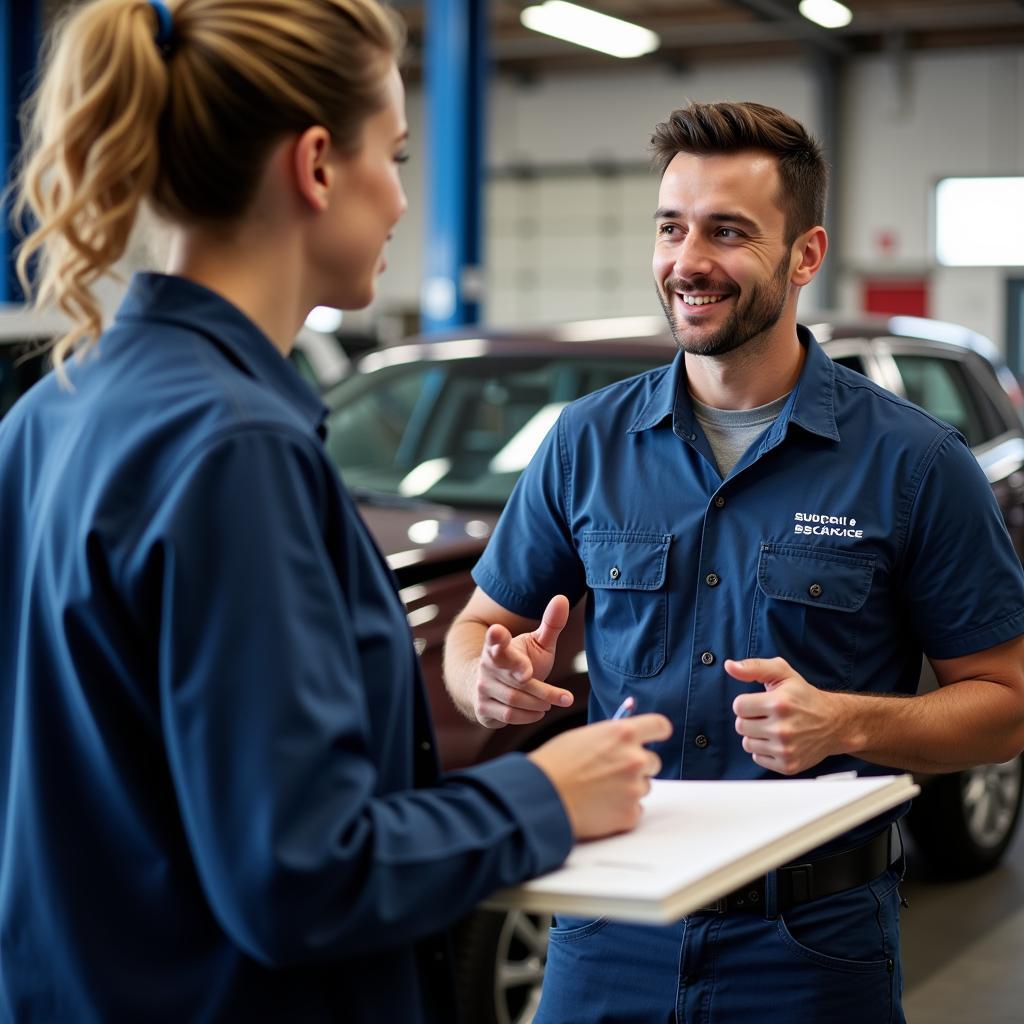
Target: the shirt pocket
(806, 610)
(626, 573)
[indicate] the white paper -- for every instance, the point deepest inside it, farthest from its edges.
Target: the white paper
(698, 841)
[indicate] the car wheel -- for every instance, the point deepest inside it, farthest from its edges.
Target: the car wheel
(962, 823)
(499, 964)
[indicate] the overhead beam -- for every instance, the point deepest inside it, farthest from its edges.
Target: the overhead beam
(510, 44)
(807, 32)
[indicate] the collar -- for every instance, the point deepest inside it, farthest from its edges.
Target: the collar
(810, 403)
(175, 300)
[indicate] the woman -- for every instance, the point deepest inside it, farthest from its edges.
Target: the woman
(219, 794)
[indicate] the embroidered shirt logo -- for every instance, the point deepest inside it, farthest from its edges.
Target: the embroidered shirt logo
(819, 525)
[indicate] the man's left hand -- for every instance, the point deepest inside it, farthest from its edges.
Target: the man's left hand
(790, 727)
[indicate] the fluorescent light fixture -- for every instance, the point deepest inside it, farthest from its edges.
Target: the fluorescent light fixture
(324, 319)
(977, 222)
(826, 13)
(584, 27)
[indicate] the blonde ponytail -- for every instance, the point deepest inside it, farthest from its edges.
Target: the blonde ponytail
(91, 157)
(118, 121)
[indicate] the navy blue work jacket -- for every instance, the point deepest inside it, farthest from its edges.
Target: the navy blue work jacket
(218, 794)
(856, 532)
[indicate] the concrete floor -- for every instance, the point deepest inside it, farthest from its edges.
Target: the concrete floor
(963, 946)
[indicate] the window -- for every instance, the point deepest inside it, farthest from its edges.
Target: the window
(458, 431)
(940, 386)
(977, 222)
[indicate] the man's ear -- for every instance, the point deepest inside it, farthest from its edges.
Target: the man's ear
(312, 169)
(809, 253)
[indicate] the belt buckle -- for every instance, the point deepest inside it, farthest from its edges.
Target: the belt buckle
(800, 878)
(749, 898)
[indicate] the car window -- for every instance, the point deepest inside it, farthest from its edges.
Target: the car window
(458, 431)
(940, 386)
(371, 417)
(997, 412)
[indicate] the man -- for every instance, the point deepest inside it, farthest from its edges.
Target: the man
(688, 503)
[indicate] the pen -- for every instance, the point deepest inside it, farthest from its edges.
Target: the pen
(625, 709)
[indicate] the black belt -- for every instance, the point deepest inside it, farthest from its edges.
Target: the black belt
(800, 883)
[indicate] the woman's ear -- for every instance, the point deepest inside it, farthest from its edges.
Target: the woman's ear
(312, 168)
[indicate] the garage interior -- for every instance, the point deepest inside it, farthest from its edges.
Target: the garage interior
(530, 203)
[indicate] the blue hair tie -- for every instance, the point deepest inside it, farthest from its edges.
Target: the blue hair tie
(164, 25)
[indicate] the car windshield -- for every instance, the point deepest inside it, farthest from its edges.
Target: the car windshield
(457, 431)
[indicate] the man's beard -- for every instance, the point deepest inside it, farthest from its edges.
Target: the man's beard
(749, 319)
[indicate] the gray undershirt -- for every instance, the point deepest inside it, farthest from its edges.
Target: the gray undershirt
(730, 432)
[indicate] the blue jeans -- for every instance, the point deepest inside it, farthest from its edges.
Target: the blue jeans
(834, 960)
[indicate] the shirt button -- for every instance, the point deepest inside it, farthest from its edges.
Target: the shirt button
(425, 746)
(814, 590)
(615, 573)
(707, 658)
(712, 579)
(719, 502)
(700, 741)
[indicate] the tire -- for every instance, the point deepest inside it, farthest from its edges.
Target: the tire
(499, 965)
(962, 823)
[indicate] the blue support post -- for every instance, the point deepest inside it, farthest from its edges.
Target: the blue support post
(455, 79)
(20, 33)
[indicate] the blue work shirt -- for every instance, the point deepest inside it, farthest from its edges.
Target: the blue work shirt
(218, 790)
(856, 532)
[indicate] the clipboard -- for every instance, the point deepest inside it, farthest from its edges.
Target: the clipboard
(698, 841)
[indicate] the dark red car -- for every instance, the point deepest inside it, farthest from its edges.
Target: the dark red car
(431, 437)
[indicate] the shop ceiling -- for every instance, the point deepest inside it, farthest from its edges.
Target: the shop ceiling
(693, 31)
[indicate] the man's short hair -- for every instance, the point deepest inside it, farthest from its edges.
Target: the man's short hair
(711, 129)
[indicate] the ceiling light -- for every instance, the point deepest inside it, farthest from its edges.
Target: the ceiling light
(827, 13)
(588, 28)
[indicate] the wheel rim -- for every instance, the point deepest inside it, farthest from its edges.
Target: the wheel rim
(991, 796)
(520, 957)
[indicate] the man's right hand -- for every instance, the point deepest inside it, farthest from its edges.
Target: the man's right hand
(509, 687)
(602, 771)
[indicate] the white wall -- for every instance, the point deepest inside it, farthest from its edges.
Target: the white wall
(568, 246)
(945, 114)
(561, 247)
